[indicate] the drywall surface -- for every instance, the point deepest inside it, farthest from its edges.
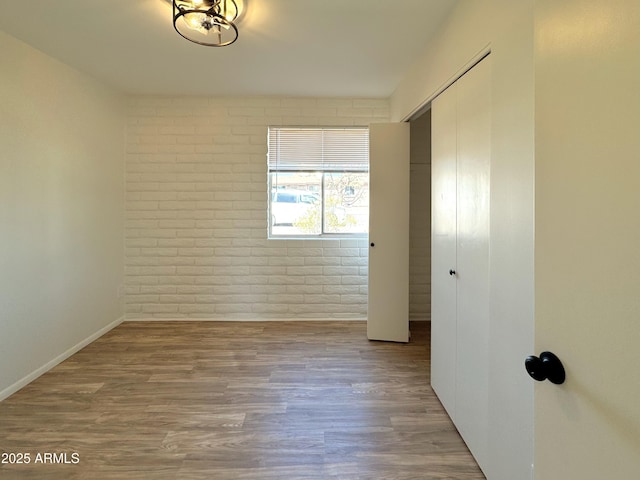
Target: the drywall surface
(61, 204)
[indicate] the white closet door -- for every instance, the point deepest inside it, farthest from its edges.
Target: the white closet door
(388, 309)
(461, 155)
(443, 245)
(474, 155)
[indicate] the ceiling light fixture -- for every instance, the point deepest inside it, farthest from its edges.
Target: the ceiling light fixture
(206, 22)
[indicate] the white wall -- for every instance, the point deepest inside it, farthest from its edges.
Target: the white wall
(196, 211)
(61, 204)
(507, 27)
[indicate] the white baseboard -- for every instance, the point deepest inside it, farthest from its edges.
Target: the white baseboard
(11, 389)
(297, 319)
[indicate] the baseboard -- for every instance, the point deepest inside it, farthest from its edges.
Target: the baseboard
(11, 389)
(297, 319)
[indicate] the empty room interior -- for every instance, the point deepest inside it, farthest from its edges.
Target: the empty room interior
(357, 239)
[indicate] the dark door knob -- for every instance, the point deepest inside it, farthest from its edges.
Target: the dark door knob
(546, 367)
(373, 244)
(452, 272)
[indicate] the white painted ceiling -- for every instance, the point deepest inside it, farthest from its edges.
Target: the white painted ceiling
(286, 47)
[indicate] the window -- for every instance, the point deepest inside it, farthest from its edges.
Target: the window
(319, 182)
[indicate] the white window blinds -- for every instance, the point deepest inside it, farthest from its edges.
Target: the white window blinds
(318, 149)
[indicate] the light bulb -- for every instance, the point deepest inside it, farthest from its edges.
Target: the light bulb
(197, 21)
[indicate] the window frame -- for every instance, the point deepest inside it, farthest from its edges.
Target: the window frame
(322, 174)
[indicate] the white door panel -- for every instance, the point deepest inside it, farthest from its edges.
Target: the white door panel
(474, 154)
(587, 249)
(443, 246)
(461, 156)
(388, 308)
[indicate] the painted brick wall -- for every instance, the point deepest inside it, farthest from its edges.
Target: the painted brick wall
(196, 203)
(420, 219)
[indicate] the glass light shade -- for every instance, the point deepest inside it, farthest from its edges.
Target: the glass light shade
(206, 22)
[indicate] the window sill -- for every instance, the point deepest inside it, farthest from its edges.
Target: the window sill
(326, 236)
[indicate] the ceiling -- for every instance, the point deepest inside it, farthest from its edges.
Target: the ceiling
(286, 47)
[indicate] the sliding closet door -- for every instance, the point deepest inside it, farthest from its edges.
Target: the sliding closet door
(474, 154)
(388, 313)
(443, 245)
(461, 141)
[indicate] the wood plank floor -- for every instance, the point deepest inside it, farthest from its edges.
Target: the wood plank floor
(214, 400)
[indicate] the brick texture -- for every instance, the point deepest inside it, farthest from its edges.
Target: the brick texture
(420, 220)
(196, 214)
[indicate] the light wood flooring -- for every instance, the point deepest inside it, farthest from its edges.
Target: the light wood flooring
(219, 400)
